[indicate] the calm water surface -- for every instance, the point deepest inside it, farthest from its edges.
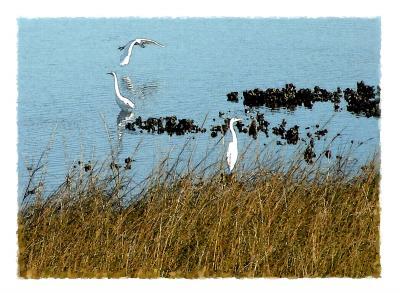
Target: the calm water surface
(65, 93)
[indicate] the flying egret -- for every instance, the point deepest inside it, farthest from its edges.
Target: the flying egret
(232, 154)
(124, 103)
(126, 55)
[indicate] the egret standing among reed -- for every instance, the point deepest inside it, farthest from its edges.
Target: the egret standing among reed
(232, 154)
(125, 104)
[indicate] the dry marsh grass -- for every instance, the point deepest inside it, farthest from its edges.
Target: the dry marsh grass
(263, 223)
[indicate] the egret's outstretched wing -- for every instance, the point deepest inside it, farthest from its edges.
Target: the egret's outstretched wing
(144, 42)
(128, 82)
(126, 53)
(126, 45)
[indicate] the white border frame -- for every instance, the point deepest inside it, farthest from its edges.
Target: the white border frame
(176, 8)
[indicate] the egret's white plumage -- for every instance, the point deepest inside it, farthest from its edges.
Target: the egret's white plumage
(127, 49)
(124, 103)
(232, 153)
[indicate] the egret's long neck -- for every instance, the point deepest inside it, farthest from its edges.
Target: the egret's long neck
(234, 139)
(116, 86)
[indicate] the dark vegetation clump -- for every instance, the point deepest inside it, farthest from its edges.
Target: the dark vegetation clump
(223, 128)
(288, 97)
(320, 133)
(309, 153)
(280, 130)
(170, 124)
(262, 123)
(256, 125)
(291, 135)
(253, 129)
(365, 100)
(233, 97)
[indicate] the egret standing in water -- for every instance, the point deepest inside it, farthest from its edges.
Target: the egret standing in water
(232, 154)
(126, 55)
(125, 104)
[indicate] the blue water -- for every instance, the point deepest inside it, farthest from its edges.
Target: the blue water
(67, 99)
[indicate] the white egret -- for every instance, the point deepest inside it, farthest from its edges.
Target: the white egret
(126, 55)
(124, 103)
(232, 154)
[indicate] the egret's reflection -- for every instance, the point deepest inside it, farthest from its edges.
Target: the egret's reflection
(141, 90)
(122, 119)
